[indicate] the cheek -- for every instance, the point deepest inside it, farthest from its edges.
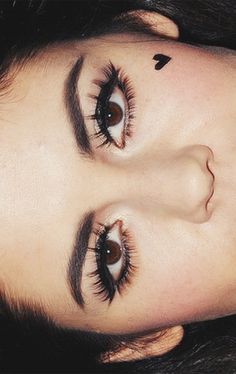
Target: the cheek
(178, 279)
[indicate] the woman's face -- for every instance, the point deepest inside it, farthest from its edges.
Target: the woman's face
(115, 232)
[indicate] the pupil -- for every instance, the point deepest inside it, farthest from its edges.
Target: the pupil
(114, 114)
(113, 252)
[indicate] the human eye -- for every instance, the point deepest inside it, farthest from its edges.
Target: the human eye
(114, 268)
(114, 112)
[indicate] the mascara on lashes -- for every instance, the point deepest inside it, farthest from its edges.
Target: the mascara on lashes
(113, 78)
(104, 284)
(103, 98)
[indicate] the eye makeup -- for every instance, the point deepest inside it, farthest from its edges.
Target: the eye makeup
(109, 113)
(113, 254)
(162, 60)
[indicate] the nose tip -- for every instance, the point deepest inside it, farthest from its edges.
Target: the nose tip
(202, 184)
(180, 184)
(211, 182)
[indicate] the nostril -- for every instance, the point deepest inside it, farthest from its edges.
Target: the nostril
(210, 196)
(210, 171)
(212, 183)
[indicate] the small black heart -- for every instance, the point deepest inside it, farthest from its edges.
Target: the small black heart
(162, 61)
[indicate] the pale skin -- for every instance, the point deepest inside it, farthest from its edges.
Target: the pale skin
(182, 147)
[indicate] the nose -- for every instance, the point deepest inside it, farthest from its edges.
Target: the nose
(180, 183)
(188, 183)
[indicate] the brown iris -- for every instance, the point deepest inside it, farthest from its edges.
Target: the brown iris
(114, 114)
(113, 252)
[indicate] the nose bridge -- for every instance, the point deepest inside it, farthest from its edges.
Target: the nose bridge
(132, 182)
(177, 182)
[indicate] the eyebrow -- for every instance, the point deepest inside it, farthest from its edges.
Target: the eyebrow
(73, 108)
(77, 259)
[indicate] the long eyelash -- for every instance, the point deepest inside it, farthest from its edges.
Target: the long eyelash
(125, 86)
(103, 281)
(104, 284)
(113, 77)
(129, 268)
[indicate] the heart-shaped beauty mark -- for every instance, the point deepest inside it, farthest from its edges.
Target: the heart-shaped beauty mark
(162, 60)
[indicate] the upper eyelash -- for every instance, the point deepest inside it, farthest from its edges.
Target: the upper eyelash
(113, 77)
(106, 87)
(103, 284)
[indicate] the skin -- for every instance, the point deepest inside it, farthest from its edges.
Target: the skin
(183, 134)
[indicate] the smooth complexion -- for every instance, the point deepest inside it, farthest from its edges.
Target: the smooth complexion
(182, 146)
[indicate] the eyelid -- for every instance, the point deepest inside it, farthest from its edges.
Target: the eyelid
(106, 88)
(115, 78)
(104, 284)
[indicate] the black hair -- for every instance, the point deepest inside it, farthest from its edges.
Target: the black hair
(29, 341)
(32, 23)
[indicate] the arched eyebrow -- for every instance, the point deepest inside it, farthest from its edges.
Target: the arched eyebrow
(76, 118)
(77, 259)
(74, 111)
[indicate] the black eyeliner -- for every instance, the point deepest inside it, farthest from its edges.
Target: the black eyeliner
(106, 284)
(114, 78)
(106, 90)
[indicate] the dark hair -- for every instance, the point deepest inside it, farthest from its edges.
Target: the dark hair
(29, 340)
(31, 343)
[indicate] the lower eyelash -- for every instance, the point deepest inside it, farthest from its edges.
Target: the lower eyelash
(103, 285)
(126, 87)
(107, 140)
(131, 268)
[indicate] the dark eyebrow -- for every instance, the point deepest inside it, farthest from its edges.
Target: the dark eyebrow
(73, 108)
(77, 259)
